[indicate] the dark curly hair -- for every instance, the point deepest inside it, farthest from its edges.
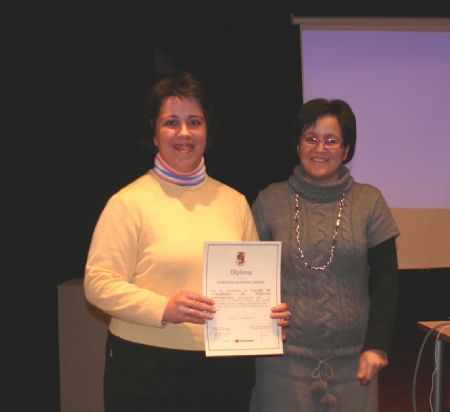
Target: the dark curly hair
(184, 85)
(313, 109)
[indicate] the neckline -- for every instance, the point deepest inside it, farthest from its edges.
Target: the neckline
(310, 189)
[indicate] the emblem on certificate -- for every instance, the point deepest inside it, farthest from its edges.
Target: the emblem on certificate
(240, 258)
(243, 278)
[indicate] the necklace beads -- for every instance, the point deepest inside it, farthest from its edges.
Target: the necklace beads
(330, 259)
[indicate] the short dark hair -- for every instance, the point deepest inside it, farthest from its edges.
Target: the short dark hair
(313, 109)
(184, 85)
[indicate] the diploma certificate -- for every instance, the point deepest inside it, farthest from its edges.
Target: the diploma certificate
(243, 278)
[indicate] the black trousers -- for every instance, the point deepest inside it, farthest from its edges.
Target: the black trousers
(147, 378)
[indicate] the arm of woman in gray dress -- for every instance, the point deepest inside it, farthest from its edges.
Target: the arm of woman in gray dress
(383, 291)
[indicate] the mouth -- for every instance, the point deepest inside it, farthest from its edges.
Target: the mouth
(319, 159)
(183, 148)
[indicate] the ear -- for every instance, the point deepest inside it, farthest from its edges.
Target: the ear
(346, 150)
(297, 153)
(155, 141)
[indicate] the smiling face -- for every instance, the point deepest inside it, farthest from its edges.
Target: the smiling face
(180, 133)
(320, 163)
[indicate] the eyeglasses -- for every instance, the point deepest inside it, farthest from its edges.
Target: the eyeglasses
(328, 142)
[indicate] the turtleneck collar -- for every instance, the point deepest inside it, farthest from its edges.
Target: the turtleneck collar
(165, 172)
(310, 189)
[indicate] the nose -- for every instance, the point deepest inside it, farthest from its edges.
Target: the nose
(320, 147)
(184, 129)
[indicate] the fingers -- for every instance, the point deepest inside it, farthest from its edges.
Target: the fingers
(284, 323)
(286, 315)
(282, 307)
(197, 311)
(363, 375)
(197, 298)
(370, 363)
(283, 315)
(280, 311)
(201, 303)
(189, 307)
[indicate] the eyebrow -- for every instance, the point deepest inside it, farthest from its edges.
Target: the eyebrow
(188, 116)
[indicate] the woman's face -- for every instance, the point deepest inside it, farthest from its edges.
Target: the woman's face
(180, 133)
(322, 163)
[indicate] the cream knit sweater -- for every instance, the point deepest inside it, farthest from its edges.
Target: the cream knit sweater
(148, 245)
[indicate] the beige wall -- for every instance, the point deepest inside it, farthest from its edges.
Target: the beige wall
(424, 241)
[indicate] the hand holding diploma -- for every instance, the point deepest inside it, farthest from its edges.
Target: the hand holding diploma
(282, 313)
(189, 307)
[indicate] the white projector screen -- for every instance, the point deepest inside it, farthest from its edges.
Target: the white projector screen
(395, 74)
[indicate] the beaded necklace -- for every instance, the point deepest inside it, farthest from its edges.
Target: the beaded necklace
(305, 263)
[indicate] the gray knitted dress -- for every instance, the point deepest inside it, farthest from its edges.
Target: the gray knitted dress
(329, 308)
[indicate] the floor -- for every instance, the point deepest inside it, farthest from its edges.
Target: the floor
(396, 381)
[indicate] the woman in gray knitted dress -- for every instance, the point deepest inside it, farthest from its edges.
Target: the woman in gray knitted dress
(339, 273)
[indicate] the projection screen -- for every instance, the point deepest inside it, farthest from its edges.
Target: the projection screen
(395, 74)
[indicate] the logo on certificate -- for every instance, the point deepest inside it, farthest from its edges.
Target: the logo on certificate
(240, 258)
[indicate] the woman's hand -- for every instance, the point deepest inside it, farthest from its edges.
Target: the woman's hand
(370, 363)
(189, 307)
(281, 312)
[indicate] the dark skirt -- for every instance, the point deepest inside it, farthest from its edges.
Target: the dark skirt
(148, 378)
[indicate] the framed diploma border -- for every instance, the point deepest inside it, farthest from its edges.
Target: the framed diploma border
(243, 278)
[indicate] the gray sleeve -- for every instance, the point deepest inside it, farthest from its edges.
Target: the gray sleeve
(260, 220)
(381, 224)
